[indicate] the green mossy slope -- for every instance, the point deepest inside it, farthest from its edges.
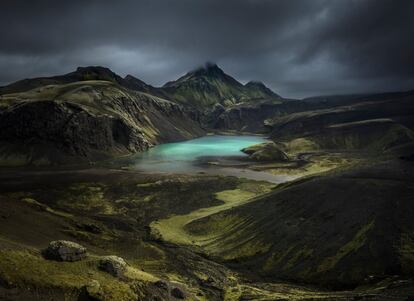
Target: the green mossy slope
(209, 85)
(86, 121)
(338, 229)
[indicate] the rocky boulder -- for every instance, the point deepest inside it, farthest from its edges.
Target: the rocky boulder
(114, 265)
(63, 250)
(165, 290)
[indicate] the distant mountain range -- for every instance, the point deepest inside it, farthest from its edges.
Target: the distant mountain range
(200, 88)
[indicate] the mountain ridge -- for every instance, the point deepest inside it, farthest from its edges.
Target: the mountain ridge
(199, 88)
(209, 85)
(80, 74)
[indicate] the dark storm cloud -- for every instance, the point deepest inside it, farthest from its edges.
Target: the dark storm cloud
(299, 48)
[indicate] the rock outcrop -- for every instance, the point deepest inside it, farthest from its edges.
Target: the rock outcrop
(63, 250)
(114, 265)
(268, 151)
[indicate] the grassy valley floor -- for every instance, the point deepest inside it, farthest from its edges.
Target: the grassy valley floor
(144, 219)
(172, 229)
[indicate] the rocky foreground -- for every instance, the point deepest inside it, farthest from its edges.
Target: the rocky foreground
(89, 238)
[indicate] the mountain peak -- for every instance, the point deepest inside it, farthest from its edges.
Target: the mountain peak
(209, 84)
(93, 73)
(209, 68)
(103, 73)
(93, 68)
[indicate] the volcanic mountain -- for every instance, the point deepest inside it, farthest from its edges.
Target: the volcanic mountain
(209, 85)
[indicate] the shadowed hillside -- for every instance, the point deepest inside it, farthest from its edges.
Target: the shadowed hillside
(286, 117)
(373, 123)
(340, 230)
(87, 120)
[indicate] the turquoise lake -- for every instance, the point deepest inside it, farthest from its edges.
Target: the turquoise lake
(184, 156)
(214, 155)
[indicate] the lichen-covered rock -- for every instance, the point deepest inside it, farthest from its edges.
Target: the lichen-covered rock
(63, 250)
(114, 265)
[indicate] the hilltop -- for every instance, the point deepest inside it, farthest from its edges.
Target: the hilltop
(209, 85)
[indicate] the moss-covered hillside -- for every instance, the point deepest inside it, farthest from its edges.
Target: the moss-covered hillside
(86, 121)
(209, 85)
(342, 229)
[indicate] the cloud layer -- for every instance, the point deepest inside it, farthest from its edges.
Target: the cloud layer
(298, 48)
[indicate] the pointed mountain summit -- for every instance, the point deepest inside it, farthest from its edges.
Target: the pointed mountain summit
(209, 71)
(208, 85)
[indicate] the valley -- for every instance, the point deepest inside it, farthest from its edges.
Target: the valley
(206, 188)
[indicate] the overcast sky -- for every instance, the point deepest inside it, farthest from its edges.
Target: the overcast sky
(297, 47)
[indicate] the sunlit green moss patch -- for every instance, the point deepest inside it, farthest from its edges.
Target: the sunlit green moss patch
(174, 228)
